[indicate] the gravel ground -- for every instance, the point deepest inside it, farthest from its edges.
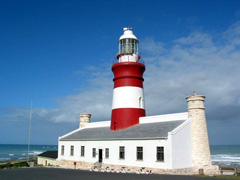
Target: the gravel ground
(41, 173)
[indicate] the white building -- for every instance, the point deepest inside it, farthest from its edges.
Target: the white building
(173, 143)
(153, 143)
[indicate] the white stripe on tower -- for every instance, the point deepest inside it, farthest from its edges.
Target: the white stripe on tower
(128, 97)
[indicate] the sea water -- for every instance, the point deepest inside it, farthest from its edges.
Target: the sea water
(15, 151)
(226, 155)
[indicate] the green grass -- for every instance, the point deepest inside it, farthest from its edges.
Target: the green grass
(22, 164)
(228, 177)
(15, 165)
(223, 176)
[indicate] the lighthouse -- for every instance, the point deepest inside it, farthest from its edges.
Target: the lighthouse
(173, 143)
(128, 69)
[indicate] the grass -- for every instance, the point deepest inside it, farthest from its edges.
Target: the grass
(22, 164)
(15, 165)
(228, 177)
(224, 176)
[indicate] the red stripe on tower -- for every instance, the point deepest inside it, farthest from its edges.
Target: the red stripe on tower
(128, 100)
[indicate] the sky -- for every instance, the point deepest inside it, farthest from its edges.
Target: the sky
(59, 54)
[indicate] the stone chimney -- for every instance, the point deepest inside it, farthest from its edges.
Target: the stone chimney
(84, 119)
(200, 145)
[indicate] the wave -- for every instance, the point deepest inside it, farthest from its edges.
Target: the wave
(4, 159)
(22, 158)
(35, 152)
(226, 158)
(11, 154)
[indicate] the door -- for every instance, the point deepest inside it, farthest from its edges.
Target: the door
(100, 155)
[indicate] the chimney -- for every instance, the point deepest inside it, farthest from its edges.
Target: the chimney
(84, 119)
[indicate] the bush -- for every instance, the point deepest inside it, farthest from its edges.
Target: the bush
(22, 164)
(7, 166)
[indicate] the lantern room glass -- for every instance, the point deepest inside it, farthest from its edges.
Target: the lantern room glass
(128, 45)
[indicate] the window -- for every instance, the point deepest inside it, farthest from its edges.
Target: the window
(139, 153)
(94, 152)
(121, 152)
(72, 151)
(82, 150)
(160, 153)
(140, 102)
(62, 150)
(128, 45)
(107, 153)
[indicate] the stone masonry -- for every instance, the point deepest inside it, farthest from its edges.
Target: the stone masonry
(211, 170)
(84, 118)
(200, 144)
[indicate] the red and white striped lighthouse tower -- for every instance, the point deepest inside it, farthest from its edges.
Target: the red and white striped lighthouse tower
(128, 100)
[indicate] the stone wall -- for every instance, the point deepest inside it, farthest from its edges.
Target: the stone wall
(70, 164)
(208, 170)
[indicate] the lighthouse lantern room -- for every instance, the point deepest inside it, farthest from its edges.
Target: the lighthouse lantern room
(128, 99)
(128, 47)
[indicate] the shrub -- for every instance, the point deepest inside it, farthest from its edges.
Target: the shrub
(22, 164)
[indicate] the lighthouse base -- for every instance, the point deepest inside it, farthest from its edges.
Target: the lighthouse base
(123, 118)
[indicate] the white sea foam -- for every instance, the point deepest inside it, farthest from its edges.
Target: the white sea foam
(4, 159)
(21, 157)
(226, 159)
(35, 152)
(11, 154)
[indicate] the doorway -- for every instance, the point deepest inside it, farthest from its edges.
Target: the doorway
(100, 155)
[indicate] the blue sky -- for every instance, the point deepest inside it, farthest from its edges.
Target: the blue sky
(59, 53)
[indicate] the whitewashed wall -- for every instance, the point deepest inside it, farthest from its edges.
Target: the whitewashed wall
(46, 161)
(149, 152)
(180, 147)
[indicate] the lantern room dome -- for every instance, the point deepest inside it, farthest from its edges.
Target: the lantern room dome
(127, 34)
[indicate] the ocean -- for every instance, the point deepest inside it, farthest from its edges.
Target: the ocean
(226, 155)
(17, 151)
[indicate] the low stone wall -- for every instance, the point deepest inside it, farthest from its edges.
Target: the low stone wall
(70, 164)
(207, 170)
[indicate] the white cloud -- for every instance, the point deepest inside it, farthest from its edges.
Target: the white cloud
(196, 62)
